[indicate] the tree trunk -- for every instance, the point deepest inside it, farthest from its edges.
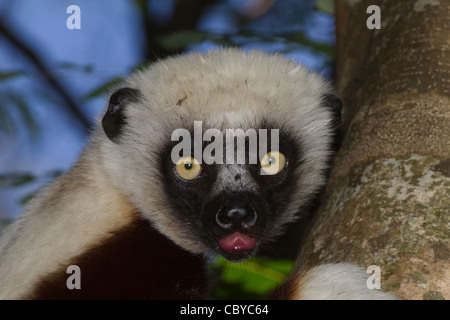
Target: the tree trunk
(388, 199)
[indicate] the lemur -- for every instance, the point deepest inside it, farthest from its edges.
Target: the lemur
(138, 223)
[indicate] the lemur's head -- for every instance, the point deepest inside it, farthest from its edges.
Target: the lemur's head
(220, 150)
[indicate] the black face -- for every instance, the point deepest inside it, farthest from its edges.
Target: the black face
(233, 217)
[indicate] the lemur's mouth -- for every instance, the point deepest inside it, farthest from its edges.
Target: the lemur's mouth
(232, 222)
(237, 246)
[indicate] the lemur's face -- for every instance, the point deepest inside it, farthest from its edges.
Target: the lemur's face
(233, 206)
(210, 193)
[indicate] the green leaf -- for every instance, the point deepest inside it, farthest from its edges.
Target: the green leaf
(141, 66)
(16, 102)
(141, 5)
(256, 276)
(24, 200)
(179, 40)
(15, 179)
(4, 222)
(104, 88)
(300, 38)
(5, 75)
(326, 6)
(25, 113)
(76, 67)
(6, 122)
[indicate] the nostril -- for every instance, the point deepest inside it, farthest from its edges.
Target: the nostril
(222, 221)
(250, 220)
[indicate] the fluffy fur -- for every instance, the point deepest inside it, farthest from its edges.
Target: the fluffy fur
(123, 183)
(341, 281)
(334, 281)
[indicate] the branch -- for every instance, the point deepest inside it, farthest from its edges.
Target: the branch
(39, 63)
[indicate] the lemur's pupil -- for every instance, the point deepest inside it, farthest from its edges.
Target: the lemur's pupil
(188, 166)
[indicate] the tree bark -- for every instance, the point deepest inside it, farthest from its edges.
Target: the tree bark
(388, 199)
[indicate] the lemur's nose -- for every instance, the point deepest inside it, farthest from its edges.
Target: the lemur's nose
(236, 217)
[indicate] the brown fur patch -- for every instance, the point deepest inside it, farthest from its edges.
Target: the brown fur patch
(136, 262)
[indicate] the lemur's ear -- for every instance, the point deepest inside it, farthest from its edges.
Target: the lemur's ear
(333, 102)
(114, 118)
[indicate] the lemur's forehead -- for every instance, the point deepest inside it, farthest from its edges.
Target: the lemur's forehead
(228, 81)
(233, 108)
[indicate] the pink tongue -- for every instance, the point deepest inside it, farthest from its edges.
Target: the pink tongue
(237, 241)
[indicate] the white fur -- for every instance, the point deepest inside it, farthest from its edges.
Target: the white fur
(340, 281)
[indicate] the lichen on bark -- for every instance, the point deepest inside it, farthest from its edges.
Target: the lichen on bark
(400, 232)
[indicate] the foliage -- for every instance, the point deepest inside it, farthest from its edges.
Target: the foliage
(326, 6)
(14, 108)
(252, 279)
(18, 180)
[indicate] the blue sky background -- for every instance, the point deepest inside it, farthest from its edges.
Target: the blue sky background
(110, 44)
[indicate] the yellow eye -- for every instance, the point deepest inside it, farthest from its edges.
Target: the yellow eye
(188, 168)
(272, 163)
